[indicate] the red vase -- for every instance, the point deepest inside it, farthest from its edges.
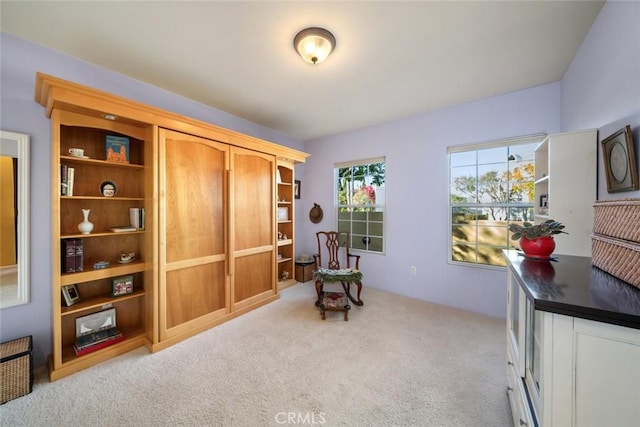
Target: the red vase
(538, 248)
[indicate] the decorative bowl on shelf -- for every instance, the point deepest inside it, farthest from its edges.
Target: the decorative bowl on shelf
(101, 264)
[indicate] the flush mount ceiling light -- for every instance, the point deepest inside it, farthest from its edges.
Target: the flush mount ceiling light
(314, 44)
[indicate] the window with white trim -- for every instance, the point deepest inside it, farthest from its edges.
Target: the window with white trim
(360, 202)
(490, 186)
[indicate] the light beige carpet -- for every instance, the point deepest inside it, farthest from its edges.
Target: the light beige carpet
(396, 362)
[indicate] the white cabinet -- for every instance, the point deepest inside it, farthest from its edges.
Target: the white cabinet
(606, 363)
(568, 371)
(566, 186)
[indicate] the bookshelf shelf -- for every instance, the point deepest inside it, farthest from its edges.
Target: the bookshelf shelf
(133, 338)
(99, 302)
(102, 273)
(104, 163)
(102, 198)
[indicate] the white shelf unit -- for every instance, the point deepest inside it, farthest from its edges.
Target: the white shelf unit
(566, 187)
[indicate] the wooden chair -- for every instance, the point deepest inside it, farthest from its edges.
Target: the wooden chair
(333, 265)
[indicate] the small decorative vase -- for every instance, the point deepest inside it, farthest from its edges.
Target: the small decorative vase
(538, 248)
(85, 227)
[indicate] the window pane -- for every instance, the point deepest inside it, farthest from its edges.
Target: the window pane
(359, 227)
(464, 158)
(490, 256)
(493, 155)
(460, 215)
(493, 233)
(488, 189)
(463, 253)
(463, 185)
(464, 233)
(360, 198)
(375, 229)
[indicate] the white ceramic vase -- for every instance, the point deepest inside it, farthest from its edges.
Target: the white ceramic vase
(85, 227)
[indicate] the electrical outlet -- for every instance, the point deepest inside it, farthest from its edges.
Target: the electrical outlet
(412, 270)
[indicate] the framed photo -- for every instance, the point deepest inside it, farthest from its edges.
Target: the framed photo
(620, 161)
(70, 294)
(543, 201)
(283, 214)
(121, 286)
(296, 189)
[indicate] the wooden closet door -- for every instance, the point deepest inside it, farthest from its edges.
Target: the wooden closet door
(252, 227)
(193, 221)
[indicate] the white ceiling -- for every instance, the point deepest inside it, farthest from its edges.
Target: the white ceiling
(393, 59)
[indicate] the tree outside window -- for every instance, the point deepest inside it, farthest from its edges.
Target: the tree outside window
(489, 188)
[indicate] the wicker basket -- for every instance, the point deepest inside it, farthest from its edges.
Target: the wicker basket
(618, 218)
(16, 368)
(619, 258)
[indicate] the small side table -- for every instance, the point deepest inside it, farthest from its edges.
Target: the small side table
(304, 270)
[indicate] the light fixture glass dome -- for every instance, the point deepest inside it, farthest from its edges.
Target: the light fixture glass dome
(314, 44)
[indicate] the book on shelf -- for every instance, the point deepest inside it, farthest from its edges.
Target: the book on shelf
(136, 216)
(71, 172)
(117, 149)
(79, 255)
(63, 180)
(72, 255)
(123, 228)
(98, 346)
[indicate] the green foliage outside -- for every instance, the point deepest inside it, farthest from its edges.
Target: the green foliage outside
(483, 208)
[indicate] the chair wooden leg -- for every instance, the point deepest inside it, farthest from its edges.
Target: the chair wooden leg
(359, 302)
(319, 292)
(347, 288)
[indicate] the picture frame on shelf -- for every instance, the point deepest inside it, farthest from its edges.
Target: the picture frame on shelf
(117, 149)
(283, 214)
(121, 286)
(618, 153)
(544, 201)
(70, 294)
(296, 189)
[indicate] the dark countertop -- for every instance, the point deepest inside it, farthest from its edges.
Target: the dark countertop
(570, 285)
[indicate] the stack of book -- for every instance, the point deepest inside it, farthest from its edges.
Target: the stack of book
(72, 255)
(96, 331)
(67, 175)
(137, 218)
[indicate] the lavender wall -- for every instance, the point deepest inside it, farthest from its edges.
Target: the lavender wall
(20, 60)
(416, 192)
(601, 87)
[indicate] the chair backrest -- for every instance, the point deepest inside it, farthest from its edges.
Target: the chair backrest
(333, 250)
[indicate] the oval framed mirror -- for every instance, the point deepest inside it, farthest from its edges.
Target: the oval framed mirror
(14, 218)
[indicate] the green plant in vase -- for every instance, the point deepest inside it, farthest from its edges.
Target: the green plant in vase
(536, 240)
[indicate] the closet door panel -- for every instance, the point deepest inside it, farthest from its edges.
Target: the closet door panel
(195, 173)
(253, 226)
(193, 243)
(254, 275)
(194, 292)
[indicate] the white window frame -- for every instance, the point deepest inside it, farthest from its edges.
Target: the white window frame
(507, 142)
(378, 206)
